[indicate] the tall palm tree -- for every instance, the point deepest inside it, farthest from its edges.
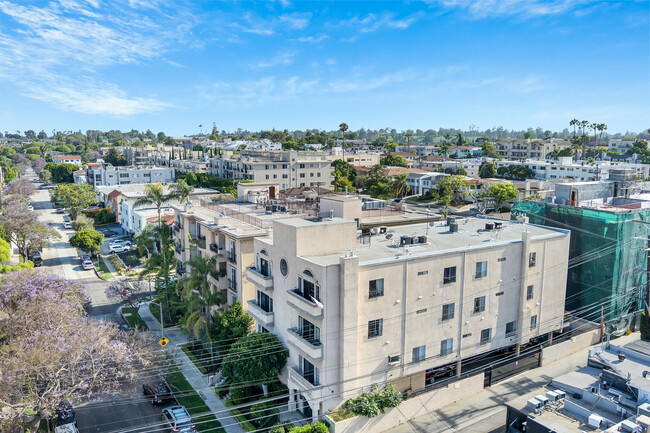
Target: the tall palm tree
(343, 127)
(408, 136)
(196, 289)
(155, 195)
(574, 123)
(601, 127)
(594, 127)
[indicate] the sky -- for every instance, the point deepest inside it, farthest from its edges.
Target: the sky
(171, 65)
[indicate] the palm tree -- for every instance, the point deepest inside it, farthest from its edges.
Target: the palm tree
(408, 140)
(601, 127)
(444, 147)
(399, 186)
(574, 123)
(196, 289)
(181, 191)
(343, 127)
(153, 194)
(594, 127)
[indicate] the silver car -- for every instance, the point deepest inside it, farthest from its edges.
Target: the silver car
(177, 419)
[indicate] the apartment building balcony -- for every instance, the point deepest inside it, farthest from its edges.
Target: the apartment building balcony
(200, 242)
(298, 301)
(178, 227)
(298, 381)
(264, 318)
(259, 278)
(232, 257)
(311, 347)
(214, 248)
(232, 285)
(178, 248)
(213, 278)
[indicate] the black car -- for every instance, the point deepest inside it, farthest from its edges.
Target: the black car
(159, 391)
(35, 257)
(63, 414)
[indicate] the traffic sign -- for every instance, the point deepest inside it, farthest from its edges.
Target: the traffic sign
(163, 341)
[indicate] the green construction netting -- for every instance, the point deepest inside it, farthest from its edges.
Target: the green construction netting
(607, 257)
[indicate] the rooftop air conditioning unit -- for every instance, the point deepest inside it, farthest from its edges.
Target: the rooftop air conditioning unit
(542, 399)
(533, 404)
(594, 421)
(552, 396)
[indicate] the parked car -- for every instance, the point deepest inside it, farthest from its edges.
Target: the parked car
(87, 264)
(84, 258)
(67, 225)
(120, 241)
(35, 257)
(30, 207)
(158, 390)
(64, 420)
(177, 419)
(119, 248)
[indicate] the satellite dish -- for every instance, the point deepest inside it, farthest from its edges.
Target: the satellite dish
(389, 236)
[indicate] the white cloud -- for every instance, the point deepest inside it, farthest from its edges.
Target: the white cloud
(285, 58)
(313, 39)
(263, 90)
(480, 9)
(330, 61)
(367, 83)
(267, 27)
(374, 22)
(53, 49)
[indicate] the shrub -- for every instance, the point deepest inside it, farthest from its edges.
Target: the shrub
(317, 427)
(263, 415)
(104, 217)
(241, 395)
(645, 329)
(19, 267)
(371, 404)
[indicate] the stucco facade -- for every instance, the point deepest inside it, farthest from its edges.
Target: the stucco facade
(358, 311)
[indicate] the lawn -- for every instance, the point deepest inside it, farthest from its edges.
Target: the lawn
(155, 310)
(103, 270)
(187, 397)
(134, 319)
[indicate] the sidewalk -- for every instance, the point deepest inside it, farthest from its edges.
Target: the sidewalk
(192, 374)
(486, 411)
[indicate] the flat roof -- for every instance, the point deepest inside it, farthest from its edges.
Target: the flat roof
(232, 226)
(439, 240)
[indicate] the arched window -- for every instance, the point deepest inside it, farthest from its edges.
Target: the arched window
(263, 252)
(308, 273)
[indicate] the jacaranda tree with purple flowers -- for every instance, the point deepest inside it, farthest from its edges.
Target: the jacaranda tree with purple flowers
(51, 351)
(23, 226)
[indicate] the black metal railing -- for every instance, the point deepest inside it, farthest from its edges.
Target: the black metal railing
(231, 256)
(214, 248)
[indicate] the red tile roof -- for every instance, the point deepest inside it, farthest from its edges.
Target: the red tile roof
(167, 219)
(115, 194)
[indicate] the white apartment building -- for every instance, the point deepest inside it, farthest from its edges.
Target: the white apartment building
(566, 168)
(106, 175)
(287, 168)
(620, 145)
(401, 306)
(67, 159)
(515, 149)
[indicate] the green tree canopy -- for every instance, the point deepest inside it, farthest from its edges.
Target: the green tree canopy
(229, 325)
(88, 240)
(256, 358)
(393, 160)
(73, 197)
(501, 193)
(61, 173)
(486, 170)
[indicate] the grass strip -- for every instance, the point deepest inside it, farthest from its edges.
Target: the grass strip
(193, 402)
(248, 426)
(134, 319)
(103, 270)
(196, 362)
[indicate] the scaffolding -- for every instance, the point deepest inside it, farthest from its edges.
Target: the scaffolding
(607, 257)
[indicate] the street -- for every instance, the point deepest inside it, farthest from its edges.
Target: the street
(134, 415)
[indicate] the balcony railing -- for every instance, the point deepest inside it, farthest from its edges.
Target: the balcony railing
(298, 380)
(200, 242)
(232, 284)
(264, 318)
(311, 347)
(258, 278)
(214, 248)
(232, 257)
(304, 304)
(178, 227)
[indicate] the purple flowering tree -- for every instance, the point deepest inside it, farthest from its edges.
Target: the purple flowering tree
(51, 351)
(23, 226)
(20, 188)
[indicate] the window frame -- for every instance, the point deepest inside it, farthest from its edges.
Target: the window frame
(377, 293)
(378, 325)
(512, 331)
(446, 348)
(489, 337)
(532, 259)
(451, 278)
(481, 305)
(481, 269)
(421, 354)
(449, 314)
(533, 322)
(530, 292)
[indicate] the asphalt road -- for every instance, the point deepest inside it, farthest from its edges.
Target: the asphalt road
(120, 416)
(63, 259)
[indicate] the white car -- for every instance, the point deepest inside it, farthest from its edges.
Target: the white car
(66, 225)
(30, 208)
(119, 248)
(87, 264)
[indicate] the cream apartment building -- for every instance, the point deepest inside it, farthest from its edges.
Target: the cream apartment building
(202, 231)
(514, 149)
(399, 306)
(287, 168)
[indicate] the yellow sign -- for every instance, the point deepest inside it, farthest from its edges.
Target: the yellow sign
(163, 341)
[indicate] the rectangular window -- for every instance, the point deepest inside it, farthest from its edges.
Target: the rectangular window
(486, 335)
(446, 346)
(393, 359)
(375, 328)
(450, 275)
(511, 328)
(529, 292)
(376, 288)
(448, 311)
(265, 302)
(532, 259)
(533, 322)
(302, 175)
(424, 310)
(499, 294)
(308, 330)
(318, 175)
(479, 304)
(419, 354)
(423, 273)
(481, 269)
(501, 259)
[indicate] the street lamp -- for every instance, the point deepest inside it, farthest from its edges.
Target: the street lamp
(162, 326)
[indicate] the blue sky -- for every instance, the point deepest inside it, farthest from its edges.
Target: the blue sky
(169, 65)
